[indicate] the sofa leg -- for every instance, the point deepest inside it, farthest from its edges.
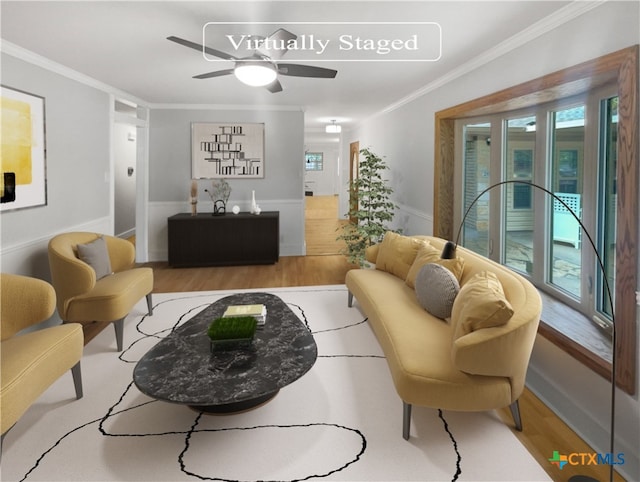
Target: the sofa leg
(149, 305)
(77, 380)
(515, 413)
(350, 300)
(406, 420)
(118, 325)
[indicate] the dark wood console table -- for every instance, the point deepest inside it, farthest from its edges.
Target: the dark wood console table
(230, 239)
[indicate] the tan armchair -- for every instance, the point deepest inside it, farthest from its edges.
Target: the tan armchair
(32, 361)
(84, 297)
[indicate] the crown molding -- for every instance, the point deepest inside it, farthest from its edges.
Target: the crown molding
(252, 107)
(560, 17)
(40, 61)
(551, 22)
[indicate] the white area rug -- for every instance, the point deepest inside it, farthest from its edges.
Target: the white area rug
(341, 421)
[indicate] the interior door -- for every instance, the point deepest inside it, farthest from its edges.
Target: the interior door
(354, 160)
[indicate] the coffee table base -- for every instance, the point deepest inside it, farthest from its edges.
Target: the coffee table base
(235, 407)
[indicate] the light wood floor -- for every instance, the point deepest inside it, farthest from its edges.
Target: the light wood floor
(543, 431)
(323, 224)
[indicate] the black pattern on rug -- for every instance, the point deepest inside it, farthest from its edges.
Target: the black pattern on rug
(115, 409)
(455, 446)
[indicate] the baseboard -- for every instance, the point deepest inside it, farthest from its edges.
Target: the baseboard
(581, 422)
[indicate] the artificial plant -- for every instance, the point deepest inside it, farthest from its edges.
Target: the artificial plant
(220, 190)
(370, 208)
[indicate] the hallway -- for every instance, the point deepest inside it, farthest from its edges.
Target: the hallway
(322, 225)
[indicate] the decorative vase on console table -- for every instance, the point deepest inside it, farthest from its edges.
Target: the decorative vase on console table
(194, 197)
(255, 209)
(219, 194)
(219, 208)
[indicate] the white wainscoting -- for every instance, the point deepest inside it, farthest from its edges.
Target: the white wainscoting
(31, 259)
(413, 222)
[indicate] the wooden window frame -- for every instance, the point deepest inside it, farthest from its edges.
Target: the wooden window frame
(620, 67)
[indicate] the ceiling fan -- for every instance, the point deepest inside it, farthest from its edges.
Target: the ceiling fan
(260, 68)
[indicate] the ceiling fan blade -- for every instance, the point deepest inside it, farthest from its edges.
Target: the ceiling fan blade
(209, 50)
(274, 86)
(298, 70)
(217, 73)
(279, 38)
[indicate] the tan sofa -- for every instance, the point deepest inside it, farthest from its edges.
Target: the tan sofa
(473, 361)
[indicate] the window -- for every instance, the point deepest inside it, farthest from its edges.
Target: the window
(506, 218)
(522, 197)
(601, 167)
(607, 199)
(477, 167)
(313, 161)
(567, 138)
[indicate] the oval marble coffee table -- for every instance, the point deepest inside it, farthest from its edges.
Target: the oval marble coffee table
(182, 369)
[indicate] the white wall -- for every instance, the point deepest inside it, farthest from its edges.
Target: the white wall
(405, 136)
(325, 182)
(78, 130)
(170, 172)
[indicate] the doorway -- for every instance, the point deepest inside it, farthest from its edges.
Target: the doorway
(354, 162)
(321, 186)
(124, 206)
(129, 174)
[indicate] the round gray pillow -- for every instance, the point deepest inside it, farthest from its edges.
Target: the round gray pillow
(436, 289)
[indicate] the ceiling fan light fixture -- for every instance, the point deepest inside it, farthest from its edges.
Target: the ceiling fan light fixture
(255, 74)
(333, 128)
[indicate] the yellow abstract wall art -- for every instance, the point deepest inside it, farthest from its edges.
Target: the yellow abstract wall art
(15, 151)
(23, 180)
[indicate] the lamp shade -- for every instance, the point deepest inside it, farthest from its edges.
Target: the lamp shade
(255, 74)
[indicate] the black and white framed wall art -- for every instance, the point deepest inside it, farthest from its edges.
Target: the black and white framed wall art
(227, 150)
(23, 176)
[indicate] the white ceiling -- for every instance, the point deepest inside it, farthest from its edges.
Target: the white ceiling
(123, 44)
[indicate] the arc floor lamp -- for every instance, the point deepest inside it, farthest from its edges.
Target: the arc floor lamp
(449, 252)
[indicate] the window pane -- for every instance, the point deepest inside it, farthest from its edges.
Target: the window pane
(608, 159)
(313, 161)
(567, 157)
(477, 169)
(519, 151)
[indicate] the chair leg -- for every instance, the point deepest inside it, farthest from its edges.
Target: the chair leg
(515, 413)
(118, 325)
(406, 420)
(149, 305)
(350, 300)
(77, 380)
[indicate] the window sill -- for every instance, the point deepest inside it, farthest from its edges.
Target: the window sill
(576, 334)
